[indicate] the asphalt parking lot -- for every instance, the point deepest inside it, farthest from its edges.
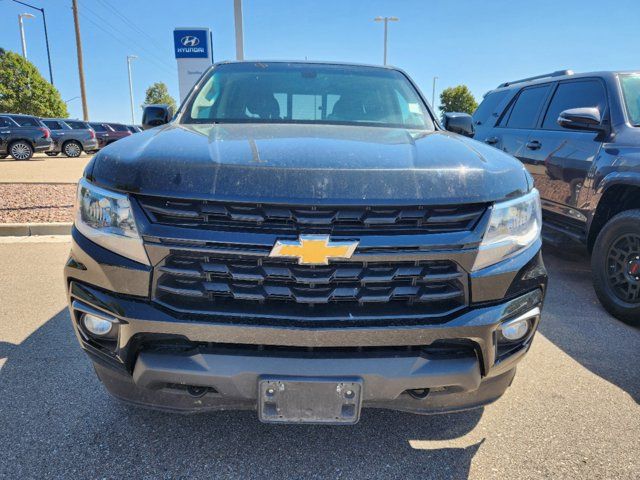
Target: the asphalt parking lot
(572, 412)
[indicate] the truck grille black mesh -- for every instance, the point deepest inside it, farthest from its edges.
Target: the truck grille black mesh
(203, 283)
(354, 220)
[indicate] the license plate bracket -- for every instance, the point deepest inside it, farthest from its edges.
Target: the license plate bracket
(303, 400)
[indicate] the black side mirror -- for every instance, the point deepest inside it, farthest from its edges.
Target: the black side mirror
(461, 123)
(155, 115)
(587, 118)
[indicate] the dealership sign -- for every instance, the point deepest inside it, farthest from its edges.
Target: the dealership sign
(193, 50)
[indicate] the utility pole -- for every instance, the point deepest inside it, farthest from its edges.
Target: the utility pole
(46, 34)
(386, 21)
(433, 93)
(21, 24)
(237, 13)
(133, 116)
(83, 92)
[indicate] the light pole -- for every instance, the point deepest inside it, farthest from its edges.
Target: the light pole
(24, 42)
(386, 20)
(129, 59)
(46, 34)
(433, 93)
(237, 15)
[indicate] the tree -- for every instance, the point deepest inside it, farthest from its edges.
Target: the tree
(159, 93)
(457, 99)
(24, 90)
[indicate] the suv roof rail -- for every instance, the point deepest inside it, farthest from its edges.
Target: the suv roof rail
(557, 73)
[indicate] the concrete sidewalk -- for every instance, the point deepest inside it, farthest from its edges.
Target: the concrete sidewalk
(43, 169)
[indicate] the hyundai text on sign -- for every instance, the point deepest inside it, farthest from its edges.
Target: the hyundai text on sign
(192, 47)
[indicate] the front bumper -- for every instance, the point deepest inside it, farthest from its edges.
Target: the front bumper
(190, 364)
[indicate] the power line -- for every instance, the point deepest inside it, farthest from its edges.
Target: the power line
(118, 35)
(127, 21)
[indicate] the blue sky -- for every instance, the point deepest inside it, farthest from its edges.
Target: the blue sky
(477, 43)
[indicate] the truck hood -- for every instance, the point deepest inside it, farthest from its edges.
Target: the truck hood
(298, 163)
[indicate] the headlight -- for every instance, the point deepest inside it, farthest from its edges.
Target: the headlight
(513, 226)
(105, 217)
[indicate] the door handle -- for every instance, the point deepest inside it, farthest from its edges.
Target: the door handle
(534, 145)
(491, 140)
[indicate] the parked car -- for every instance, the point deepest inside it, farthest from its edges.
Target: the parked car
(22, 141)
(579, 137)
(106, 134)
(120, 130)
(68, 140)
(305, 242)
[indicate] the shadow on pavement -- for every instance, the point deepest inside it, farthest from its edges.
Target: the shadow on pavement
(58, 421)
(575, 321)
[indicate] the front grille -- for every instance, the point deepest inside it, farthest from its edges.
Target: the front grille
(202, 282)
(352, 220)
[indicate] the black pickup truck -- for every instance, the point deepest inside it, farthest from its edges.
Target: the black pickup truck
(23, 135)
(579, 137)
(305, 239)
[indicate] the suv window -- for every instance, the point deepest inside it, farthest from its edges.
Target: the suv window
(579, 94)
(53, 125)
(118, 128)
(488, 107)
(77, 125)
(27, 121)
(525, 110)
(98, 127)
(631, 94)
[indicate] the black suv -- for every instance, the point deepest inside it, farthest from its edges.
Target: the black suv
(304, 239)
(23, 135)
(579, 137)
(69, 140)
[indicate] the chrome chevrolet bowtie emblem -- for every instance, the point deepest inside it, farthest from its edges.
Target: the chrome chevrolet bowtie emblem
(313, 249)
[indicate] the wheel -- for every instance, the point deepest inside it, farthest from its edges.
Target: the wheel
(615, 264)
(52, 154)
(72, 149)
(21, 150)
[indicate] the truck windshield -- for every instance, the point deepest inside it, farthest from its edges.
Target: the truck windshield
(631, 93)
(307, 94)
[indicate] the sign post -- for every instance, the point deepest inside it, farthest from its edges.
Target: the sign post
(194, 55)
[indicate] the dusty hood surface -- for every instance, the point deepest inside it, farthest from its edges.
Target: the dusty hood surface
(319, 163)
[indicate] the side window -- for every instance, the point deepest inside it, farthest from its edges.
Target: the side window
(27, 121)
(524, 112)
(589, 93)
(487, 108)
(53, 125)
(3, 123)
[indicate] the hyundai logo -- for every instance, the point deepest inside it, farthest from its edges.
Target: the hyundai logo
(190, 41)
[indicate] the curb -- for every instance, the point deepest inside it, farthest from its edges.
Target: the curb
(30, 229)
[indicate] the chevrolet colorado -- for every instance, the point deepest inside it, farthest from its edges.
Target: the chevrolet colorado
(304, 239)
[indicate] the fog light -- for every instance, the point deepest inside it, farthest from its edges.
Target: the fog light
(515, 329)
(96, 325)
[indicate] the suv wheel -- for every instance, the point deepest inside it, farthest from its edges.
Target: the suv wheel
(615, 263)
(21, 150)
(72, 149)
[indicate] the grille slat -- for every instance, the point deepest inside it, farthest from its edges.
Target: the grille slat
(352, 220)
(436, 287)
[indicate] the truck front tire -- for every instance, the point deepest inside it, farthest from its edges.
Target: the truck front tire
(615, 264)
